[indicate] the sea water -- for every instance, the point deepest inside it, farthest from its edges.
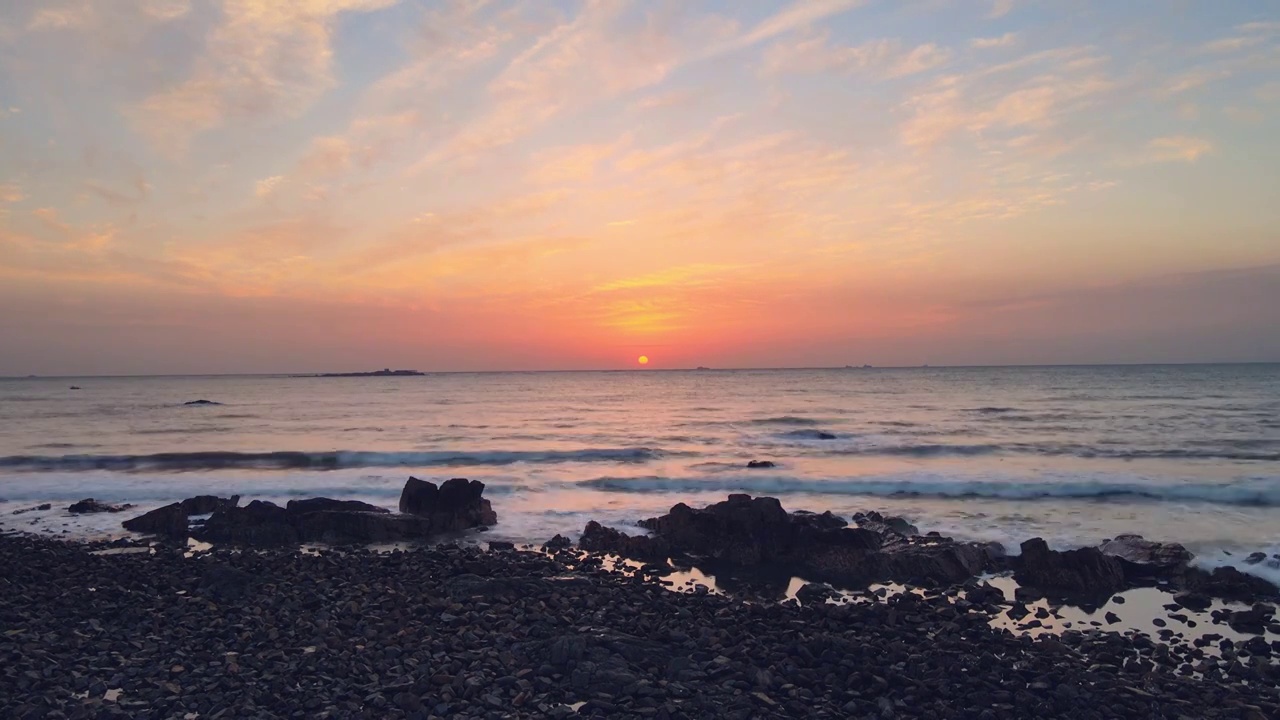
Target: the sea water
(1186, 453)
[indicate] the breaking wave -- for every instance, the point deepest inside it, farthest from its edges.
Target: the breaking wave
(286, 460)
(1252, 493)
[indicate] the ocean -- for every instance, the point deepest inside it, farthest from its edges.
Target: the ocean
(1187, 453)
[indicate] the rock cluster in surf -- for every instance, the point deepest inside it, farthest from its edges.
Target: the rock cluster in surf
(757, 533)
(426, 511)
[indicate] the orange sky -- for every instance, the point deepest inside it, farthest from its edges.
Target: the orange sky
(250, 186)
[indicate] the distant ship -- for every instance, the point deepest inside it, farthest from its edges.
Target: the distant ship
(387, 372)
(702, 368)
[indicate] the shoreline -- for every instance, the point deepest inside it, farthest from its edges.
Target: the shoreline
(460, 631)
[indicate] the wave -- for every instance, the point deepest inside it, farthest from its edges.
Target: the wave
(809, 434)
(287, 460)
(785, 420)
(1256, 493)
(1230, 451)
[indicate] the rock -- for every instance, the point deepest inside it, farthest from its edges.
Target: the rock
(1082, 573)
(455, 505)
(760, 464)
(45, 506)
(749, 532)
(201, 402)
(206, 504)
(1111, 618)
(311, 505)
(559, 542)
(1142, 559)
(1229, 583)
(598, 538)
(501, 545)
(812, 593)
(1193, 601)
(885, 525)
(1255, 558)
(260, 523)
(169, 521)
(89, 505)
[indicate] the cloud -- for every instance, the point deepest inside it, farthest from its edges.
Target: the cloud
(265, 187)
(985, 43)
(265, 59)
(49, 216)
(139, 191)
(1231, 44)
(1177, 148)
(11, 193)
(801, 13)
(574, 164)
(1000, 8)
(887, 58)
(986, 100)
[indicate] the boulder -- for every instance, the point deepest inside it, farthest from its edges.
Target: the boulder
(455, 505)
(598, 538)
(311, 505)
(259, 523)
(1144, 558)
(757, 533)
(761, 464)
(559, 542)
(169, 521)
(89, 505)
(1082, 573)
(1229, 583)
(206, 504)
(885, 524)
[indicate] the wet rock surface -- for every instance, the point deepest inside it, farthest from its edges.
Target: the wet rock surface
(753, 532)
(458, 632)
(456, 506)
(89, 505)
(757, 533)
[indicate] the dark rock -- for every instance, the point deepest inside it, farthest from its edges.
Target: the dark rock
(259, 523)
(747, 532)
(1082, 573)
(559, 542)
(1193, 601)
(456, 505)
(169, 521)
(1229, 583)
(598, 538)
(311, 505)
(761, 464)
(201, 402)
(1111, 618)
(1255, 558)
(45, 506)
(885, 524)
(501, 545)
(89, 505)
(207, 504)
(1136, 549)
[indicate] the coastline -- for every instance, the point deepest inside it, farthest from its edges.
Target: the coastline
(450, 631)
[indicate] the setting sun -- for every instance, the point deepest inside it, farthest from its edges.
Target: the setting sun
(643, 359)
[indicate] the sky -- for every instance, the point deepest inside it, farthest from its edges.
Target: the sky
(199, 186)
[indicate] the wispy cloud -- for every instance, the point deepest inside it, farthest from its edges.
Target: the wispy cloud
(986, 43)
(1178, 148)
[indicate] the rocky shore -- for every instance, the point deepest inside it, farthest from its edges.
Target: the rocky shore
(462, 632)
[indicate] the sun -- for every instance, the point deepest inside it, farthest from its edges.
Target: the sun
(643, 359)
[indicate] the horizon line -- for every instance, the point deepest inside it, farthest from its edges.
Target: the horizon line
(423, 373)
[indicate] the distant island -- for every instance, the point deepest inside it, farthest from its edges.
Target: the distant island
(376, 373)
